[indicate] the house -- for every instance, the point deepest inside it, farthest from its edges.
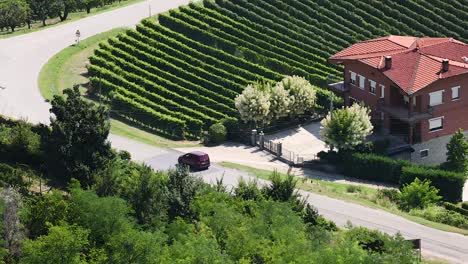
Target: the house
(416, 88)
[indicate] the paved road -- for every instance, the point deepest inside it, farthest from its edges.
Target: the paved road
(22, 57)
(435, 243)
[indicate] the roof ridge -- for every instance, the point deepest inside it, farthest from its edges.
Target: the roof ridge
(414, 75)
(392, 50)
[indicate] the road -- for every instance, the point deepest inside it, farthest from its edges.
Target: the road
(23, 56)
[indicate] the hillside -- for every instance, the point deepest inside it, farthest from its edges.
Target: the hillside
(180, 72)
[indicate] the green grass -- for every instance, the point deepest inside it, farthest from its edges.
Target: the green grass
(67, 67)
(363, 195)
(124, 130)
(71, 17)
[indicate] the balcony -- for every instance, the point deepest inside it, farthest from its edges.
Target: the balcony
(339, 87)
(403, 113)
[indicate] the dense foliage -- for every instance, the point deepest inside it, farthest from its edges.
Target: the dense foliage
(418, 194)
(457, 153)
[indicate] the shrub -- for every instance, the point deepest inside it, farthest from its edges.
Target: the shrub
(391, 194)
(353, 189)
(450, 184)
(441, 215)
(374, 167)
(457, 150)
(217, 133)
(455, 208)
(418, 194)
(464, 205)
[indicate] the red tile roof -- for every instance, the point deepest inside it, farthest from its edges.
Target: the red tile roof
(416, 62)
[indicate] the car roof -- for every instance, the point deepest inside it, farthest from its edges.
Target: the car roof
(198, 153)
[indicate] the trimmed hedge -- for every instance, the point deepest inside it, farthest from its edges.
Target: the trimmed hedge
(455, 208)
(374, 167)
(450, 184)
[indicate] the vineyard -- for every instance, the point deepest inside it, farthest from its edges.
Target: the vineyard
(180, 72)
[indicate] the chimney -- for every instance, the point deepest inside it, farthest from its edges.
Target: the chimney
(388, 62)
(445, 65)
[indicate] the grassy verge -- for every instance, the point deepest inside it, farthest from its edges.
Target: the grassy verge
(357, 194)
(71, 17)
(124, 130)
(68, 67)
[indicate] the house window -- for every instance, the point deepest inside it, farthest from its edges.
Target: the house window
(436, 123)
(456, 93)
(353, 77)
(424, 153)
(362, 81)
(435, 98)
(382, 91)
(372, 87)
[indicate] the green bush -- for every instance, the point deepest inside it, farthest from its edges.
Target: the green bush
(450, 184)
(464, 205)
(374, 167)
(418, 194)
(217, 133)
(455, 208)
(441, 215)
(391, 194)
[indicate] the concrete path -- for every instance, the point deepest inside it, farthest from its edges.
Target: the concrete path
(22, 57)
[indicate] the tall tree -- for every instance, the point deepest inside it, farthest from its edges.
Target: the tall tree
(43, 9)
(457, 152)
(77, 146)
(13, 13)
(65, 7)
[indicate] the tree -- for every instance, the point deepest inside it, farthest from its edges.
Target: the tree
(88, 4)
(281, 102)
(65, 7)
(253, 105)
(302, 92)
(418, 194)
(457, 151)
(346, 128)
(13, 13)
(43, 9)
(63, 245)
(78, 146)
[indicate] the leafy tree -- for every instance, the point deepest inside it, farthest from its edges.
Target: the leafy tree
(302, 92)
(457, 152)
(62, 245)
(65, 7)
(13, 232)
(253, 105)
(78, 146)
(282, 190)
(3, 250)
(42, 211)
(281, 102)
(248, 190)
(346, 128)
(418, 194)
(43, 9)
(182, 189)
(13, 13)
(88, 4)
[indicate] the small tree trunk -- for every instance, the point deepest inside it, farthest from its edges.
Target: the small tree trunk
(88, 9)
(43, 22)
(12, 28)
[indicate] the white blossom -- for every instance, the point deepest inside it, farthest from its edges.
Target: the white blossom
(302, 94)
(253, 105)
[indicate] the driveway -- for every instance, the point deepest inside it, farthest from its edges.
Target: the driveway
(22, 57)
(303, 140)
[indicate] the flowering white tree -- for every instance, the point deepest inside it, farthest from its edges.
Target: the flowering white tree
(302, 93)
(280, 102)
(346, 128)
(253, 105)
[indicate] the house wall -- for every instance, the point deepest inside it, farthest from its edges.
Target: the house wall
(455, 112)
(437, 148)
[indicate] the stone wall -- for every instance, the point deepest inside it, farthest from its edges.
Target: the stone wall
(437, 150)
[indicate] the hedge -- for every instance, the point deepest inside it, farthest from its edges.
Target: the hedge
(374, 167)
(450, 184)
(455, 208)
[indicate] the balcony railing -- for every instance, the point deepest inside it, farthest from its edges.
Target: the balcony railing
(403, 113)
(340, 87)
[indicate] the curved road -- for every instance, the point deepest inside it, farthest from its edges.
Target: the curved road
(22, 57)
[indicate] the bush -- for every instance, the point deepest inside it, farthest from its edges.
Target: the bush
(374, 167)
(450, 184)
(391, 194)
(455, 208)
(217, 133)
(464, 205)
(418, 194)
(441, 215)
(353, 188)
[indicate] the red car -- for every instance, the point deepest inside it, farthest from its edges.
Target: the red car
(195, 160)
